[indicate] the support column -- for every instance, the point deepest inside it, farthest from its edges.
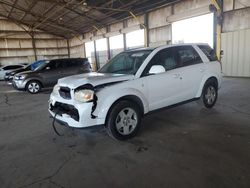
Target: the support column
(124, 36)
(34, 45)
(96, 60)
(68, 46)
(108, 44)
(146, 30)
(217, 25)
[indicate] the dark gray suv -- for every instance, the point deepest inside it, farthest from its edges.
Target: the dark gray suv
(48, 73)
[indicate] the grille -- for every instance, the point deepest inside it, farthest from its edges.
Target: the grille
(61, 108)
(65, 92)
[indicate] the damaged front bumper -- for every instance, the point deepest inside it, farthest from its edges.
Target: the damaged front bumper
(72, 113)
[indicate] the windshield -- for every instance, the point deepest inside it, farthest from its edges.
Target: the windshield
(27, 67)
(126, 62)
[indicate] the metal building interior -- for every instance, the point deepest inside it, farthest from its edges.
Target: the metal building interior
(200, 148)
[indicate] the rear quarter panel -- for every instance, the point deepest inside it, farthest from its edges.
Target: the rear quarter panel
(213, 69)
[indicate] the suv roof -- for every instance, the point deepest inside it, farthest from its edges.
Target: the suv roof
(84, 59)
(168, 45)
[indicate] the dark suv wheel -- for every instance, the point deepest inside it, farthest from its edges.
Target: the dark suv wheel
(123, 120)
(210, 93)
(33, 86)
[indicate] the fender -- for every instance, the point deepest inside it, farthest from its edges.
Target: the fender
(33, 78)
(105, 100)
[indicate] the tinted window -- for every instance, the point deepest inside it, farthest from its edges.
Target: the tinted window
(165, 58)
(187, 55)
(73, 62)
(64, 63)
(209, 52)
(53, 65)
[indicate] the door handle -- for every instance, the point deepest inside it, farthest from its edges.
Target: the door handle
(176, 75)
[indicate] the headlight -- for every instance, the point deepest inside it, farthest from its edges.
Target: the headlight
(20, 77)
(56, 88)
(85, 95)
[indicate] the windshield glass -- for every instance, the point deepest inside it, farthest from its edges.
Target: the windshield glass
(27, 67)
(126, 62)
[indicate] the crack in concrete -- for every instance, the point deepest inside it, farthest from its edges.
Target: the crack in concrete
(7, 100)
(56, 184)
(49, 177)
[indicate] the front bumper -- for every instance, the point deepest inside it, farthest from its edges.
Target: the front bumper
(72, 113)
(8, 79)
(19, 84)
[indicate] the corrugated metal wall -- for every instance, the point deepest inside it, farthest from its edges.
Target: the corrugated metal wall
(236, 58)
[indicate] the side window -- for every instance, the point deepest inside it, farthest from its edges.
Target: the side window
(76, 63)
(164, 58)
(187, 55)
(52, 65)
(209, 52)
(65, 63)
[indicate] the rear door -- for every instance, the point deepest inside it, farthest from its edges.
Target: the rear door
(192, 70)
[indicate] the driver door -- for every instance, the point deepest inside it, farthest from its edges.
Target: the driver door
(164, 89)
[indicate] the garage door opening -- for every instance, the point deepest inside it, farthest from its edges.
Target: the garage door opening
(194, 30)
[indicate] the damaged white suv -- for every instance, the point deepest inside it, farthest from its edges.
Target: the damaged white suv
(134, 83)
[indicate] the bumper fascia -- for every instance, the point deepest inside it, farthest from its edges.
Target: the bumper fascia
(19, 84)
(84, 110)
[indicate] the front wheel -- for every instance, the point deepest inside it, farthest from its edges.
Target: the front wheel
(123, 120)
(210, 94)
(33, 87)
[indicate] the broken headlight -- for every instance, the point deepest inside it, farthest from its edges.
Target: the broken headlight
(85, 95)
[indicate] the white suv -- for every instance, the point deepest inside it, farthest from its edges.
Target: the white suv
(134, 83)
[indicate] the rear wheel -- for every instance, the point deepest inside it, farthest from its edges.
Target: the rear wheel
(210, 94)
(33, 87)
(123, 120)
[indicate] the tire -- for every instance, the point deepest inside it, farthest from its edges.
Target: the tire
(123, 120)
(210, 93)
(33, 87)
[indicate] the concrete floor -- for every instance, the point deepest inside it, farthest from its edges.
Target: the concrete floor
(186, 146)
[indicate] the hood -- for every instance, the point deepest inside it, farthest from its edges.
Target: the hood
(93, 79)
(17, 71)
(25, 72)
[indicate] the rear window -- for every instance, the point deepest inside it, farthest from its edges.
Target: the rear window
(187, 56)
(209, 52)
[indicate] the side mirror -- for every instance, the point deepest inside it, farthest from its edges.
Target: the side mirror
(156, 69)
(221, 52)
(47, 68)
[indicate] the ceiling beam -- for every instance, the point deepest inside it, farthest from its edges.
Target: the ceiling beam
(13, 6)
(41, 17)
(32, 4)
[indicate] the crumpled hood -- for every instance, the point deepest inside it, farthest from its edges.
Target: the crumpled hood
(92, 78)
